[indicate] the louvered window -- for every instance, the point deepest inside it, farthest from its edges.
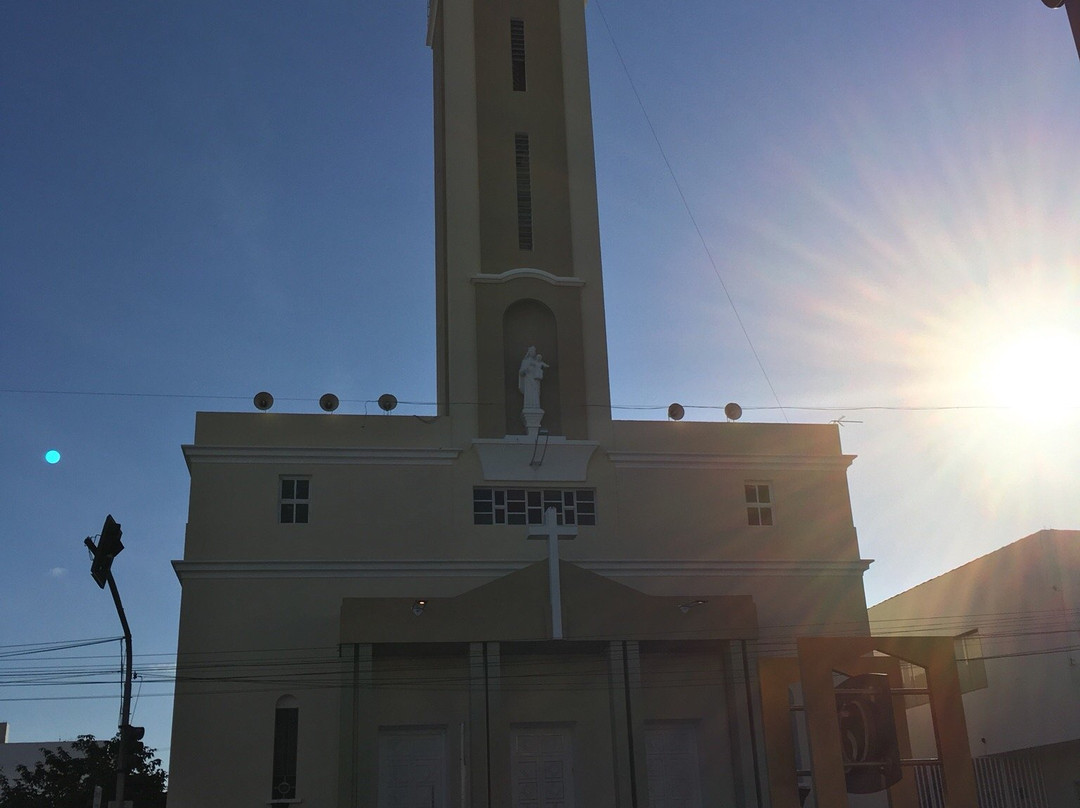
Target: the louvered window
(524, 191)
(517, 54)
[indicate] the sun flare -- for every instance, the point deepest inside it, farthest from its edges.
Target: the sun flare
(1036, 371)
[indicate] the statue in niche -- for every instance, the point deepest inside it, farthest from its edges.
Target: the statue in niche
(530, 373)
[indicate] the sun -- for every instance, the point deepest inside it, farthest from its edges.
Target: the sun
(1037, 371)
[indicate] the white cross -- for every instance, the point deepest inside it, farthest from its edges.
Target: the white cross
(553, 531)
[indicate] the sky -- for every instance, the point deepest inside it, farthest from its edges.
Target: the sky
(863, 212)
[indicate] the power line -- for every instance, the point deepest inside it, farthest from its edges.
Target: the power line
(642, 407)
(897, 624)
(287, 664)
(529, 676)
(45, 648)
(689, 211)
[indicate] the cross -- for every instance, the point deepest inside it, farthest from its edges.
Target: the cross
(553, 531)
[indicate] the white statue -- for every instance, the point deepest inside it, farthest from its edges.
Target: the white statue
(529, 376)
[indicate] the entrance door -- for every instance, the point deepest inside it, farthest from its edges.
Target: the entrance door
(541, 759)
(412, 768)
(671, 758)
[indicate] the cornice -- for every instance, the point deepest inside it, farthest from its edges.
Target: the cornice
(725, 569)
(528, 272)
(691, 460)
(435, 568)
(365, 455)
(459, 568)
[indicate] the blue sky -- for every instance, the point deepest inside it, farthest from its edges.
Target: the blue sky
(205, 200)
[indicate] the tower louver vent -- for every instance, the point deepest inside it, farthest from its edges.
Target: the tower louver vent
(524, 191)
(517, 53)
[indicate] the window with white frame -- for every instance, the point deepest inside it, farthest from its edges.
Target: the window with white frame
(526, 506)
(759, 503)
(293, 503)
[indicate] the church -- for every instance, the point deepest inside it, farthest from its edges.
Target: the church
(517, 601)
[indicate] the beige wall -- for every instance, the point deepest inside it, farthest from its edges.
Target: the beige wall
(417, 502)
(477, 114)
(243, 644)
(479, 694)
(692, 684)
(391, 500)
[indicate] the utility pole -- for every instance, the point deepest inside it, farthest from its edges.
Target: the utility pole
(107, 548)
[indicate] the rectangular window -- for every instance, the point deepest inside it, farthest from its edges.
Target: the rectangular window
(758, 504)
(286, 722)
(517, 54)
(913, 676)
(970, 666)
(526, 506)
(293, 505)
(524, 191)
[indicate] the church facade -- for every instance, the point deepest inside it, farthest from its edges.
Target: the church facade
(518, 601)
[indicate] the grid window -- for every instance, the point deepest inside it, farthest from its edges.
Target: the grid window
(523, 178)
(759, 504)
(293, 505)
(517, 54)
(526, 506)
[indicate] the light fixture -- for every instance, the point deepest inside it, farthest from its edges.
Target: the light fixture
(418, 607)
(263, 401)
(685, 607)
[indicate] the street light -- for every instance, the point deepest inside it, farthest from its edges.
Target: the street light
(109, 547)
(1072, 8)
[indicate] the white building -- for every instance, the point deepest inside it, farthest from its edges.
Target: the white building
(1015, 614)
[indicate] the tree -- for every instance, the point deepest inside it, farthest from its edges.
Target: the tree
(66, 779)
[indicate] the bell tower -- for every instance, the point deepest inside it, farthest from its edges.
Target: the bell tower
(516, 227)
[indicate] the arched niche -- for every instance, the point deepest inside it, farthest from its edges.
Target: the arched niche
(529, 323)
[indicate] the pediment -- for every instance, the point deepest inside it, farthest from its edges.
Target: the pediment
(517, 608)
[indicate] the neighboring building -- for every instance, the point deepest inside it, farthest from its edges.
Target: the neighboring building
(1015, 614)
(28, 754)
(369, 616)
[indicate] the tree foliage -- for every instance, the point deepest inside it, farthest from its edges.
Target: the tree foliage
(66, 779)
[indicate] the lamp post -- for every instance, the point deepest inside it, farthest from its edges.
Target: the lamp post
(1072, 9)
